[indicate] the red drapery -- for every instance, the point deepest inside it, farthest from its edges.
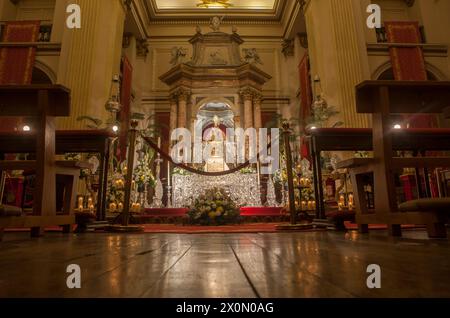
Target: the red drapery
(305, 88)
(16, 63)
(408, 63)
(306, 100)
(125, 113)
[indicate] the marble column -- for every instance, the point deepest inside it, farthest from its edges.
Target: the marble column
(257, 111)
(173, 113)
(247, 97)
(183, 97)
(89, 58)
(338, 54)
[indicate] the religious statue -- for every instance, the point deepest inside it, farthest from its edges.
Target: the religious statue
(178, 55)
(215, 23)
(216, 160)
(251, 56)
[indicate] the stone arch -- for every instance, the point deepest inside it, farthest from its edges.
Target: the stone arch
(42, 70)
(385, 68)
(216, 99)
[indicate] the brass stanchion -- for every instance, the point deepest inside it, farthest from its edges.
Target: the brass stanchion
(125, 215)
(291, 191)
(289, 166)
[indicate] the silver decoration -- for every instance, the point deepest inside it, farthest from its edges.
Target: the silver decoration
(271, 196)
(242, 188)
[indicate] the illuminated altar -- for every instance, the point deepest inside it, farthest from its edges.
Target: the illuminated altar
(243, 188)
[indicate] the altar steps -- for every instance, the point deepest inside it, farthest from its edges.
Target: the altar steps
(179, 216)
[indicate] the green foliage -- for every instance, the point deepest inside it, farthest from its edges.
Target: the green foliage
(215, 207)
(322, 113)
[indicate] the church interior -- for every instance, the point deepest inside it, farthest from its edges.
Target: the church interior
(224, 149)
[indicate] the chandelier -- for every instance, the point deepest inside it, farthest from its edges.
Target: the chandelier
(214, 4)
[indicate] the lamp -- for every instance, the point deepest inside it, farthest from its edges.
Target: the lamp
(113, 104)
(214, 4)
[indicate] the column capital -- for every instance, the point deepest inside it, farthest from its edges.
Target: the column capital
(248, 93)
(181, 94)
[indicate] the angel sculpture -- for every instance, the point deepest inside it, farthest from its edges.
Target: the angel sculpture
(252, 57)
(178, 55)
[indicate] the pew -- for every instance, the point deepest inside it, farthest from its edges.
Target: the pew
(69, 141)
(382, 99)
(43, 103)
(418, 140)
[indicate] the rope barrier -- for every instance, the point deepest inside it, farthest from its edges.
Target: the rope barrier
(196, 171)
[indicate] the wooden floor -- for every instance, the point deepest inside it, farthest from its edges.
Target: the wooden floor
(314, 264)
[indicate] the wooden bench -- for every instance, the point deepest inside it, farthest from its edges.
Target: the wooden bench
(382, 99)
(417, 140)
(68, 141)
(43, 103)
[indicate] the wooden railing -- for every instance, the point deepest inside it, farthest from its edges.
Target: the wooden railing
(45, 32)
(382, 35)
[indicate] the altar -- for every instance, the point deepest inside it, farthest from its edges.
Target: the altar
(243, 188)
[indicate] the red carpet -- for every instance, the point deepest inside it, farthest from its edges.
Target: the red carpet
(247, 211)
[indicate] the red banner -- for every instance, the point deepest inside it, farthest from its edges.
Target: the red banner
(16, 63)
(305, 88)
(125, 113)
(306, 101)
(408, 63)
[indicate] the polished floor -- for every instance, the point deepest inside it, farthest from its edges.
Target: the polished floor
(313, 264)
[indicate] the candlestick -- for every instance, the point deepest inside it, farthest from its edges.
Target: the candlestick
(258, 172)
(168, 174)
(159, 142)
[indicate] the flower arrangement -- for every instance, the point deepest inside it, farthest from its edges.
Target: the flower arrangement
(215, 207)
(248, 170)
(180, 172)
(116, 191)
(143, 174)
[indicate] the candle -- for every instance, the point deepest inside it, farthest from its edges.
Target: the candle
(80, 203)
(113, 207)
(91, 208)
(304, 205)
(350, 199)
(340, 206)
(159, 142)
(120, 206)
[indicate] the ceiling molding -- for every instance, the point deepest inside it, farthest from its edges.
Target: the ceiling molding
(177, 16)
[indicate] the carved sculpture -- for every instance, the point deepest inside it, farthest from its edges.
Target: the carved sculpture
(178, 55)
(215, 23)
(251, 56)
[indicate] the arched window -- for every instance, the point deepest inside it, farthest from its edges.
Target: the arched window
(388, 75)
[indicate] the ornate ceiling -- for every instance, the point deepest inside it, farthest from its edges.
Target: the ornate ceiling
(237, 10)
